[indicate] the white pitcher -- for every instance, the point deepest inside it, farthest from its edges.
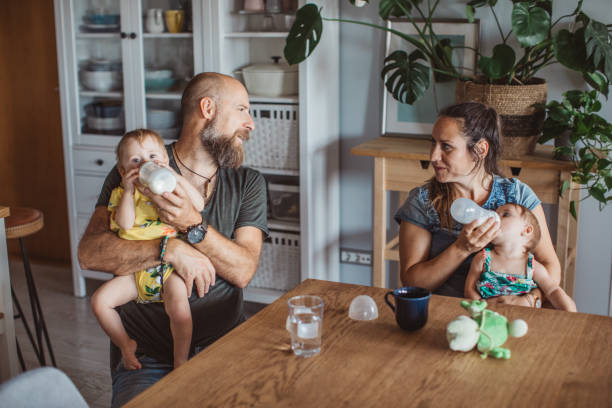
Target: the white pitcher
(154, 22)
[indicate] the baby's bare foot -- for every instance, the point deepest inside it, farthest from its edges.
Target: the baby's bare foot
(128, 352)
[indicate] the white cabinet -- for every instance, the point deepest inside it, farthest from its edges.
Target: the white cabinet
(138, 77)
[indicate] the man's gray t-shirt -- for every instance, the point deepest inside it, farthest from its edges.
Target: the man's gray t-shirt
(239, 200)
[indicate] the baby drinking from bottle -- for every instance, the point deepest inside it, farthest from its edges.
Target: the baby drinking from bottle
(509, 267)
(134, 217)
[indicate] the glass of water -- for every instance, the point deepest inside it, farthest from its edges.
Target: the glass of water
(305, 323)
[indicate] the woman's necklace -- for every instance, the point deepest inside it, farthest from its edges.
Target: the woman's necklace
(208, 179)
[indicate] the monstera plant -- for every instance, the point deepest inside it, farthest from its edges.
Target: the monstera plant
(589, 143)
(586, 47)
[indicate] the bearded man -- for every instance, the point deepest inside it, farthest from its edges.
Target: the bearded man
(218, 248)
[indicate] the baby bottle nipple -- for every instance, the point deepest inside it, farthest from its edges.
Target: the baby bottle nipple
(465, 211)
(157, 178)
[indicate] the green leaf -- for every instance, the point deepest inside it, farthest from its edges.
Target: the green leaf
(470, 12)
(407, 79)
(395, 8)
(573, 210)
(570, 50)
(598, 81)
(304, 35)
(598, 193)
(608, 181)
(529, 24)
(499, 64)
(602, 164)
(599, 45)
(564, 188)
(444, 52)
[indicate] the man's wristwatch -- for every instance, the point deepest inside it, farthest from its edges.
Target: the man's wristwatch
(196, 233)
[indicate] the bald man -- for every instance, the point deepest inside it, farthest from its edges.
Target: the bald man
(218, 249)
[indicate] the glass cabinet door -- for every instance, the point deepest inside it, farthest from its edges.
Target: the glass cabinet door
(134, 59)
(99, 67)
(168, 61)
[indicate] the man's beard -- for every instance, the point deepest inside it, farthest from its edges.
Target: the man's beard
(224, 149)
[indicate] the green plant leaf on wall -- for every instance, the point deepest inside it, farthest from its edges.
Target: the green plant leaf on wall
(599, 45)
(598, 193)
(597, 81)
(570, 50)
(573, 209)
(407, 79)
(305, 34)
(564, 188)
(395, 8)
(470, 8)
(500, 63)
(529, 24)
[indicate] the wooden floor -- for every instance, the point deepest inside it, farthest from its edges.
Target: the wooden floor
(81, 348)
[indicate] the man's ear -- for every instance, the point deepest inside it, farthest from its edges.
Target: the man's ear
(208, 108)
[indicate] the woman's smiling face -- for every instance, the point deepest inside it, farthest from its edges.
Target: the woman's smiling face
(450, 156)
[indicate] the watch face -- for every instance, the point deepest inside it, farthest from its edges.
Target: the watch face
(195, 234)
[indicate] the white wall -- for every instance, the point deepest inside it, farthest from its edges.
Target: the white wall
(361, 54)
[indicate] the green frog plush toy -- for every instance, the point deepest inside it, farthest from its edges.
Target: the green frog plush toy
(486, 328)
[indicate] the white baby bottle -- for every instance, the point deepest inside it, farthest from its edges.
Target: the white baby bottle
(157, 178)
(465, 211)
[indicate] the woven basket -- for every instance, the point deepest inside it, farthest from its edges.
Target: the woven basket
(521, 122)
(274, 143)
(279, 262)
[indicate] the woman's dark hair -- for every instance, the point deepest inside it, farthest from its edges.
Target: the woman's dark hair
(477, 122)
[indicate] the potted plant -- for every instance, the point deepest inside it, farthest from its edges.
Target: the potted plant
(586, 48)
(589, 142)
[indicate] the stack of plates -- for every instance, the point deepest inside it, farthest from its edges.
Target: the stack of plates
(100, 23)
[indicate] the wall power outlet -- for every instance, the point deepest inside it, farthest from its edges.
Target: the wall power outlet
(356, 256)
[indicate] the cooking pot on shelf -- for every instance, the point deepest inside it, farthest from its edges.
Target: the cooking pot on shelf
(275, 79)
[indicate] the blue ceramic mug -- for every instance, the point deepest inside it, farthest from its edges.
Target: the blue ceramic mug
(411, 305)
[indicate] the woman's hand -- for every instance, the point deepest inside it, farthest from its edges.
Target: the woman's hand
(474, 237)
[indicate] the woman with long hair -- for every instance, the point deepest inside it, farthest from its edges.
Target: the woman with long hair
(435, 250)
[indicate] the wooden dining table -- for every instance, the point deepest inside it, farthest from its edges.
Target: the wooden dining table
(565, 359)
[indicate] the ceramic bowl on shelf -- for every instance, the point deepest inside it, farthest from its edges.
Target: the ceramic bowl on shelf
(104, 109)
(276, 79)
(158, 79)
(95, 123)
(101, 19)
(161, 118)
(101, 81)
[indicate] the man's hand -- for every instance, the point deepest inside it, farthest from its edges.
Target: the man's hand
(176, 208)
(191, 265)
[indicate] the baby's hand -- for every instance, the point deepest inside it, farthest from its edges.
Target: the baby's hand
(130, 179)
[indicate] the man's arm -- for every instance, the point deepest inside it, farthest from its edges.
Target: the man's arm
(101, 249)
(235, 261)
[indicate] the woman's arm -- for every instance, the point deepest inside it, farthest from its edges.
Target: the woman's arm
(476, 267)
(545, 252)
(553, 292)
(415, 243)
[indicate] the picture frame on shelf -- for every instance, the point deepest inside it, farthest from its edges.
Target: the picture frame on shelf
(416, 120)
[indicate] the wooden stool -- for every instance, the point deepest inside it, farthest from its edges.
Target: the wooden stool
(21, 223)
